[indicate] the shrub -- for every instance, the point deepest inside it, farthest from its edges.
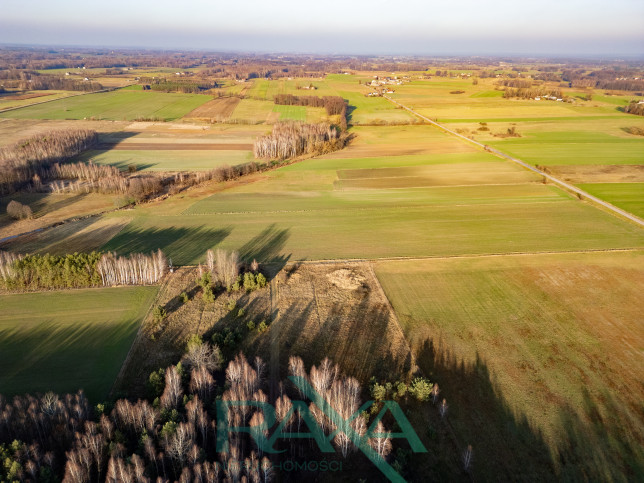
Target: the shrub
(208, 295)
(262, 327)
(401, 390)
(421, 388)
(184, 297)
(240, 313)
(204, 281)
(261, 280)
(195, 340)
(156, 382)
(378, 392)
(249, 282)
(232, 305)
(18, 211)
(250, 325)
(159, 313)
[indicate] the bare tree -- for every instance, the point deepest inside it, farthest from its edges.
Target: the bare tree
(173, 391)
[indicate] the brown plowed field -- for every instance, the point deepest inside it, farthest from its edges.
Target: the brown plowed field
(219, 109)
(177, 146)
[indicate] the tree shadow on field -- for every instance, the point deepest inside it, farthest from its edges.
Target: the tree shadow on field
(266, 247)
(51, 356)
(182, 244)
(350, 110)
(508, 447)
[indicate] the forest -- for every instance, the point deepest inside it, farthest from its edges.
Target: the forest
(187, 429)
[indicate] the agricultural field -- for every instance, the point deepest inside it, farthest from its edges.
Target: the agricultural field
(627, 196)
(124, 104)
(64, 341)
(540, 355)
(50, 208)
(217, 109)
(19, 99)
(168, 160)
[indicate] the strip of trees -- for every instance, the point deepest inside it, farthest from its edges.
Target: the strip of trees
(42, 83)
(20, 162)
(524, 93)
(95, 269)
(291, 139)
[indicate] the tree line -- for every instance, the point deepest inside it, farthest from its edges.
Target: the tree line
(522, 93)
(95, 269)
(291, 139)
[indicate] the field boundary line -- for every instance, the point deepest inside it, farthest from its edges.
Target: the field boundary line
(383, 295)
(567, 186)
(483, 255)
(139, 334)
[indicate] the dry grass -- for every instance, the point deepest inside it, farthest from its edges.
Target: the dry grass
(314, 315)
(599, 174)
(51, 208)
(540, 357)
(435, 175)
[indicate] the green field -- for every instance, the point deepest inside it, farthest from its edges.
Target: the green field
(64, 341)
(628, 196)
(539, 358)
(171, 160)
(294, 113)
(116, 105)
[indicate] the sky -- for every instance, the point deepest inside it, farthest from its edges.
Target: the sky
(388, 27)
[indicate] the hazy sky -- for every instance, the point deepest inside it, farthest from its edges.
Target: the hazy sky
(429, 27)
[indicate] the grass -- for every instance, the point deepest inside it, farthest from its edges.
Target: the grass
(179, 160)
(628, 196)
(429, 222)
(117, 105)
(538, 358)
(294, 113)
(69, 340)
(252, 111)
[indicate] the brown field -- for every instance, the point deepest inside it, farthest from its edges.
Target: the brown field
(599, 174)
(21, 96)
(434, 175)
(13, 130)
(317, 310)
(218, 109)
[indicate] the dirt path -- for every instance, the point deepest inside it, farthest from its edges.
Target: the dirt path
(557, 181)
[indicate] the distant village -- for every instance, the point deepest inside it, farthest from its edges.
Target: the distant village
(381, 84)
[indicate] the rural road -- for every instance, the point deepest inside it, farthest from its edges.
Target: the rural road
(549, 177)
